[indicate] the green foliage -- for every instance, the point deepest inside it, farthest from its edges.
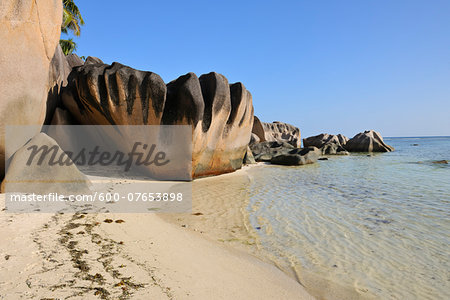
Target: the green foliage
(72, 21)
(68, 46)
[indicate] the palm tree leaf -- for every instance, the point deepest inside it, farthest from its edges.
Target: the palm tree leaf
(68, 46)
(72, 18)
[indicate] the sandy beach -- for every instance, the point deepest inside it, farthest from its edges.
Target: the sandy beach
(203, 255)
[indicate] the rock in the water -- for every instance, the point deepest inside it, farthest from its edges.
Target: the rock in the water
(329, 144)
(440, 162)
(297, 157)
(277, 131)
(221, 115)
(288, 160)
(311, 154)
(43, 177)
(266, 150)
(284, 153)
(333, 149)
(248, 158)
(29, 35)
(367, 141)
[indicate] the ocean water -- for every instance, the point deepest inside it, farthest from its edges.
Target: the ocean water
(366, 226)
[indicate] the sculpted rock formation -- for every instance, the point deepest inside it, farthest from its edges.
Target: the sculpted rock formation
(221, 115)
(59, 71)
(29, 35)
(367, 141)
(258, 129)
(100, 94)
(277, 131)
(329, 144)
(42, 178)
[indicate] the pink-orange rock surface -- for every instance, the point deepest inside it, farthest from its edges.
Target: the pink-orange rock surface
(221, 114)
(29, 35)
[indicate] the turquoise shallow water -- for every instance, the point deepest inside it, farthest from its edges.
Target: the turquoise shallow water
(377, 226)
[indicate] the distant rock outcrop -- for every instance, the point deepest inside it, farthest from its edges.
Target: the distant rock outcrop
(276, 131)
(221, 115)
(445, 162)
(329, 144)
(29, 35)
(367, 141)
(93, 60)
(74, 61)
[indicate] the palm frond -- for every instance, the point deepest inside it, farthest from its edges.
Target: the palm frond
(72, 8)
(68, 46)
(72, 19)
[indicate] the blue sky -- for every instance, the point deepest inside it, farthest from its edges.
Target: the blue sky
(335, 66)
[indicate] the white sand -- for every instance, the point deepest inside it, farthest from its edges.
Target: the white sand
(57, 256)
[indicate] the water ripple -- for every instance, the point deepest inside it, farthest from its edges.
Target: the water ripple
(376, 224)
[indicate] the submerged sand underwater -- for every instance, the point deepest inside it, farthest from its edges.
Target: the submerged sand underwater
(357, 226)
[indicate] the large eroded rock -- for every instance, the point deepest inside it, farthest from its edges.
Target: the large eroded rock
(29, 35)
(368, 141)
(100, 94)
(221, 115)
(276, 131)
